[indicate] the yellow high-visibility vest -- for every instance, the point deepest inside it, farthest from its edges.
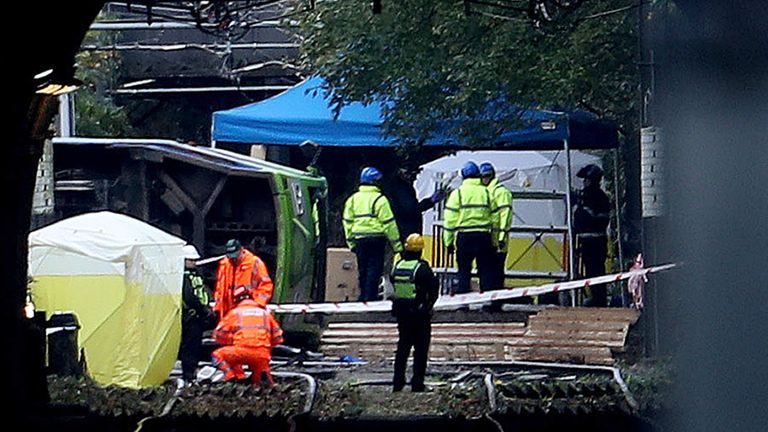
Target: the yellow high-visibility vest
(502, 197)
(469, 208)
(367, 213)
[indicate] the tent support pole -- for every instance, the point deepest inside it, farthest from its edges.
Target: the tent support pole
(568, 215)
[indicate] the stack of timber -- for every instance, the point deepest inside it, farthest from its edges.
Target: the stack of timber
(572, 335)
(450, 341)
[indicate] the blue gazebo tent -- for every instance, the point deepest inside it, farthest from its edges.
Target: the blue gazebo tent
(302, 113)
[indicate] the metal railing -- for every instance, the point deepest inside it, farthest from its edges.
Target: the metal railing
(444, 264)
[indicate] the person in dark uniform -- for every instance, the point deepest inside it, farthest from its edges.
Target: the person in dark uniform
(196, 315)
(590, 222)
(415, 293)
(406, 207)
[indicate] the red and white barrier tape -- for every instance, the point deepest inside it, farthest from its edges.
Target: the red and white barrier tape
(452, 301)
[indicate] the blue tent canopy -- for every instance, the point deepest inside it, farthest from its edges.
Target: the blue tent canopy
(302, 113)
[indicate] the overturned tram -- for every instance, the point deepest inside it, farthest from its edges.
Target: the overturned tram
(206, 196)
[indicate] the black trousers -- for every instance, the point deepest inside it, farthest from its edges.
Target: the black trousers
(497, 270)
(191, 346)
(592, 252)
(474, 246)
(370, 265)
(414, 331)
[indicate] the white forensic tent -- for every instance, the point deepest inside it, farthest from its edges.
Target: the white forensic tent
(517, 170)
(538, 183)
(122, 278)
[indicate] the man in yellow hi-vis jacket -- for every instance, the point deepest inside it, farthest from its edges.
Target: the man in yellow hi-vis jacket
(368, 225)
(502, 197)
(502, 222)
(469, 221)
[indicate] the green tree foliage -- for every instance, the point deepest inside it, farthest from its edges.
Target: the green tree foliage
(96, 113)
(431, 60)
(437, 60)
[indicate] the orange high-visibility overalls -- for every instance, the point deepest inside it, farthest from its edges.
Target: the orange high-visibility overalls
(248, 333)
(249, 271)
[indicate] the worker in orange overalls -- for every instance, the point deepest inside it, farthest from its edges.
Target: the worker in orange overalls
(248, 333)
(240, 267)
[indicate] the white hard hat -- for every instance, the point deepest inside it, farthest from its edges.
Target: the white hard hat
(190, 252)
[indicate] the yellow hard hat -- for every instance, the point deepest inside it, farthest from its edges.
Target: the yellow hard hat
(414, 243)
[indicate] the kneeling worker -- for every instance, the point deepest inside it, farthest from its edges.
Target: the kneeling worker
(416, 291)
(248, 333)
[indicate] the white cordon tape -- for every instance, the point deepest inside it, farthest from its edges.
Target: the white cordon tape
(451, 301)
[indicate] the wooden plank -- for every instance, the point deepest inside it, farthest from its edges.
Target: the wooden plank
(580, 317)
(361, 325)
(596, 314)
(590, 310)
(480, 325)
(575, 343)
(342, 345)
(467, 331)
(592, 351)
(577, 320)
(435, 339)
(582, 355)
(583, 320)
(583, 317)
(585, 324)
(434, 328)
(393, 344)
(588, 333)
(612, 336)
(440, 351)
(555, 325)
(435, 333)
(490, 338)
(365, 326)
(445, 354)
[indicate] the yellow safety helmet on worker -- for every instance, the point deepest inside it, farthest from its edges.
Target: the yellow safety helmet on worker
(414, 243)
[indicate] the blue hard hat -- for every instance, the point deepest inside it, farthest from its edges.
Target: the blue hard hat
(370, 175)
(469, 170)
(487, 169)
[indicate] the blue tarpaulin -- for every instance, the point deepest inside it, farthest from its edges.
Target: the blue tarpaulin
(302, 113)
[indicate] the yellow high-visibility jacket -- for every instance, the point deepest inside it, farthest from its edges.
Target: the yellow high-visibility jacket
(502, 197)
(367, 213)
(470, 208)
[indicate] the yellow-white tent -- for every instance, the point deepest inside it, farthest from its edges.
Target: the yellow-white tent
(122, 278)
